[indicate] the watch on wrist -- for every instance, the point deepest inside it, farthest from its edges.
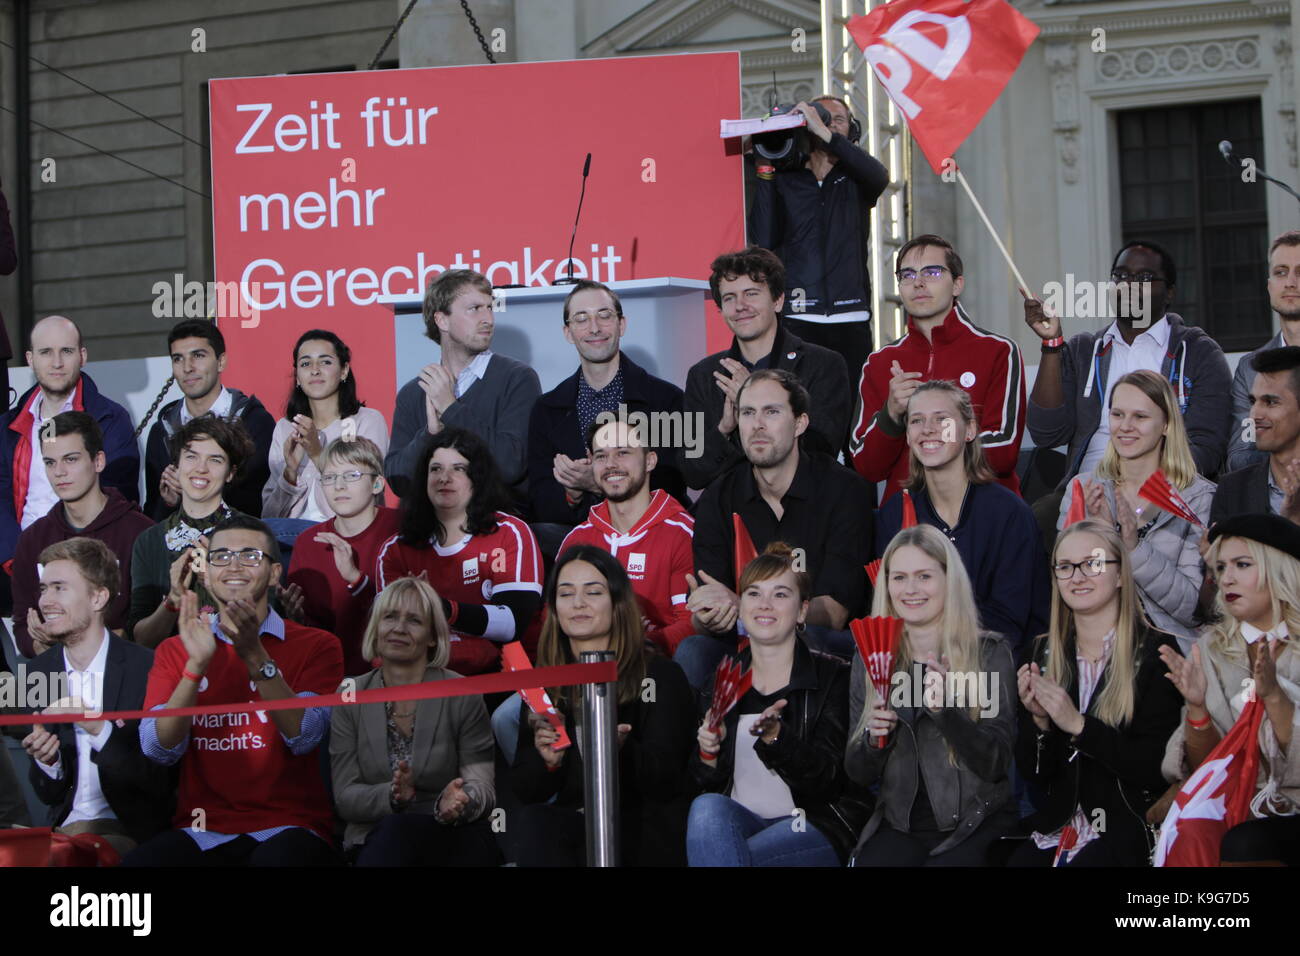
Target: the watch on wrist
(268, 671)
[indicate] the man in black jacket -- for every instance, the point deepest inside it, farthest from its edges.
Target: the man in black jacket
(561, 485)
(747, 286)
(93, 774)
(198, 352)
(817, 219)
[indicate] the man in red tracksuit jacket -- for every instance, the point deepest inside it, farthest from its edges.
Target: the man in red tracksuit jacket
(941, 343)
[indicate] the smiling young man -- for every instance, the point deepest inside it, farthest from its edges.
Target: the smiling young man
(1271, 486)
(561, 484)
(92, 774)
(73, 458)
(781, 493)
(251, 791)
(471, 387)
(748, 286)
(941, 343)
(334, 561)
(1284, 298)
(56, 357)
(198, 355)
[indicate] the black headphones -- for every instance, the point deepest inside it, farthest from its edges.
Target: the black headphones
(855, 128)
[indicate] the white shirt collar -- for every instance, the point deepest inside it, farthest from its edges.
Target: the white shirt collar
(97, 663)
(1253, 634)
(1158, 333)
(38, 406)
(220, 408)
(473, 372)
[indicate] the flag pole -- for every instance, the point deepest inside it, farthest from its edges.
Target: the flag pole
(1024, 286)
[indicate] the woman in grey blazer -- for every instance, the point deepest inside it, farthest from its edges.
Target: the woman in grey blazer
(1147, 433)
(413, 779)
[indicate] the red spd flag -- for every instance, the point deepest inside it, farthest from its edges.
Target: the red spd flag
(1078, 510)
(943, 63)
(1215, 798)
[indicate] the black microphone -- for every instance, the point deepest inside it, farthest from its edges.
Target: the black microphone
(1225, 150)
(569, 280)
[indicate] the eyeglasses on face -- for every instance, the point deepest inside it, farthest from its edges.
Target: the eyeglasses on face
(248, 557)
(1091, 567)
(1120, 276)
(583, 319)
(329, 479)
(926, 272)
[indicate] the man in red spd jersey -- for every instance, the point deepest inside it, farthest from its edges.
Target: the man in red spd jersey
(484, 564)
(941, 343)
(251, 791)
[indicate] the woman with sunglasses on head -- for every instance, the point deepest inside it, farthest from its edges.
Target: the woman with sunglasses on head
(953, 488)
(591, 607)
(414, 780)
(484, 563)
(324, 396)
(334, 561)
(940, 745)
(1248, 648)
(775, 789)
(1096, 712)
(1147, 433)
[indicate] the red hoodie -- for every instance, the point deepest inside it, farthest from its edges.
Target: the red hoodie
(987, 366)
(657, 555)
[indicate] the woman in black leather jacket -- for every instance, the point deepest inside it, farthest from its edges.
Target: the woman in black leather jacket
(949, 722)
(1097, 711)
(775, 789)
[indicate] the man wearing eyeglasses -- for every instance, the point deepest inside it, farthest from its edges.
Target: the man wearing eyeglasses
(251, 792)
(334, 561)
(561, 485)
(941, 343)
(1070, 402)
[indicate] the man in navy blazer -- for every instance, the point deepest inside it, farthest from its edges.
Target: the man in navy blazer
(92, 774)
(560, 482)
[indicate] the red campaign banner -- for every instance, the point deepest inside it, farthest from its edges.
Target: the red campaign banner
(328, 189)
(943, 63)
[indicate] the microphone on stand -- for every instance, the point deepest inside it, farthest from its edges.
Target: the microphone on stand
(1225, 150)
(569, 280)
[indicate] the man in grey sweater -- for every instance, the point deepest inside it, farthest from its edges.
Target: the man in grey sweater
(471, 387)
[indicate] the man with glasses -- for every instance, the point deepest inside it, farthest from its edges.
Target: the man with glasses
(251, 791)
(941, 343)
(561, 485)
(334, 561)
(1070, 402)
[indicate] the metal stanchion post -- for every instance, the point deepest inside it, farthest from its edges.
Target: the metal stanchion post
(600, 765)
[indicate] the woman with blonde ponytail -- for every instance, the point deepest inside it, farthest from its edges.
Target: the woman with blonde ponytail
(948, 725)
(1097, 710)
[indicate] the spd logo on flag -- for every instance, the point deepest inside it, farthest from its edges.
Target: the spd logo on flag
(1215, 798)
(943, 63)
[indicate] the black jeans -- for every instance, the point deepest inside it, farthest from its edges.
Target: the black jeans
(417, 839)
(293, 847)
(890, 847)
(548, 835)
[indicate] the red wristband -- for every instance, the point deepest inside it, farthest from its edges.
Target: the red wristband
(171, 608)
(185, 672)
(1056, 343)
(708, 757)
(1198, 724)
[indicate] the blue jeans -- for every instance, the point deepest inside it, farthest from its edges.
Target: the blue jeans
(721, 832)
(505, 727)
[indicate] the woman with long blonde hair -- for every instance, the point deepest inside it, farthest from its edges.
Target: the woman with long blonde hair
(952, 487)
(1096, 710)
(1249, 648)
(591, 607)
(948, 725)
(1147, 433)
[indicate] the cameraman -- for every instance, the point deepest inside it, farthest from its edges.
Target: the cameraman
(814, 213)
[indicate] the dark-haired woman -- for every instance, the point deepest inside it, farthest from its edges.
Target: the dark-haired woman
(592, 607)
(324, 396)
(776, 793)
(484, 563)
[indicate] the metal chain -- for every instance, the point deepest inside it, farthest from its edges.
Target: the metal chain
(487, 52)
